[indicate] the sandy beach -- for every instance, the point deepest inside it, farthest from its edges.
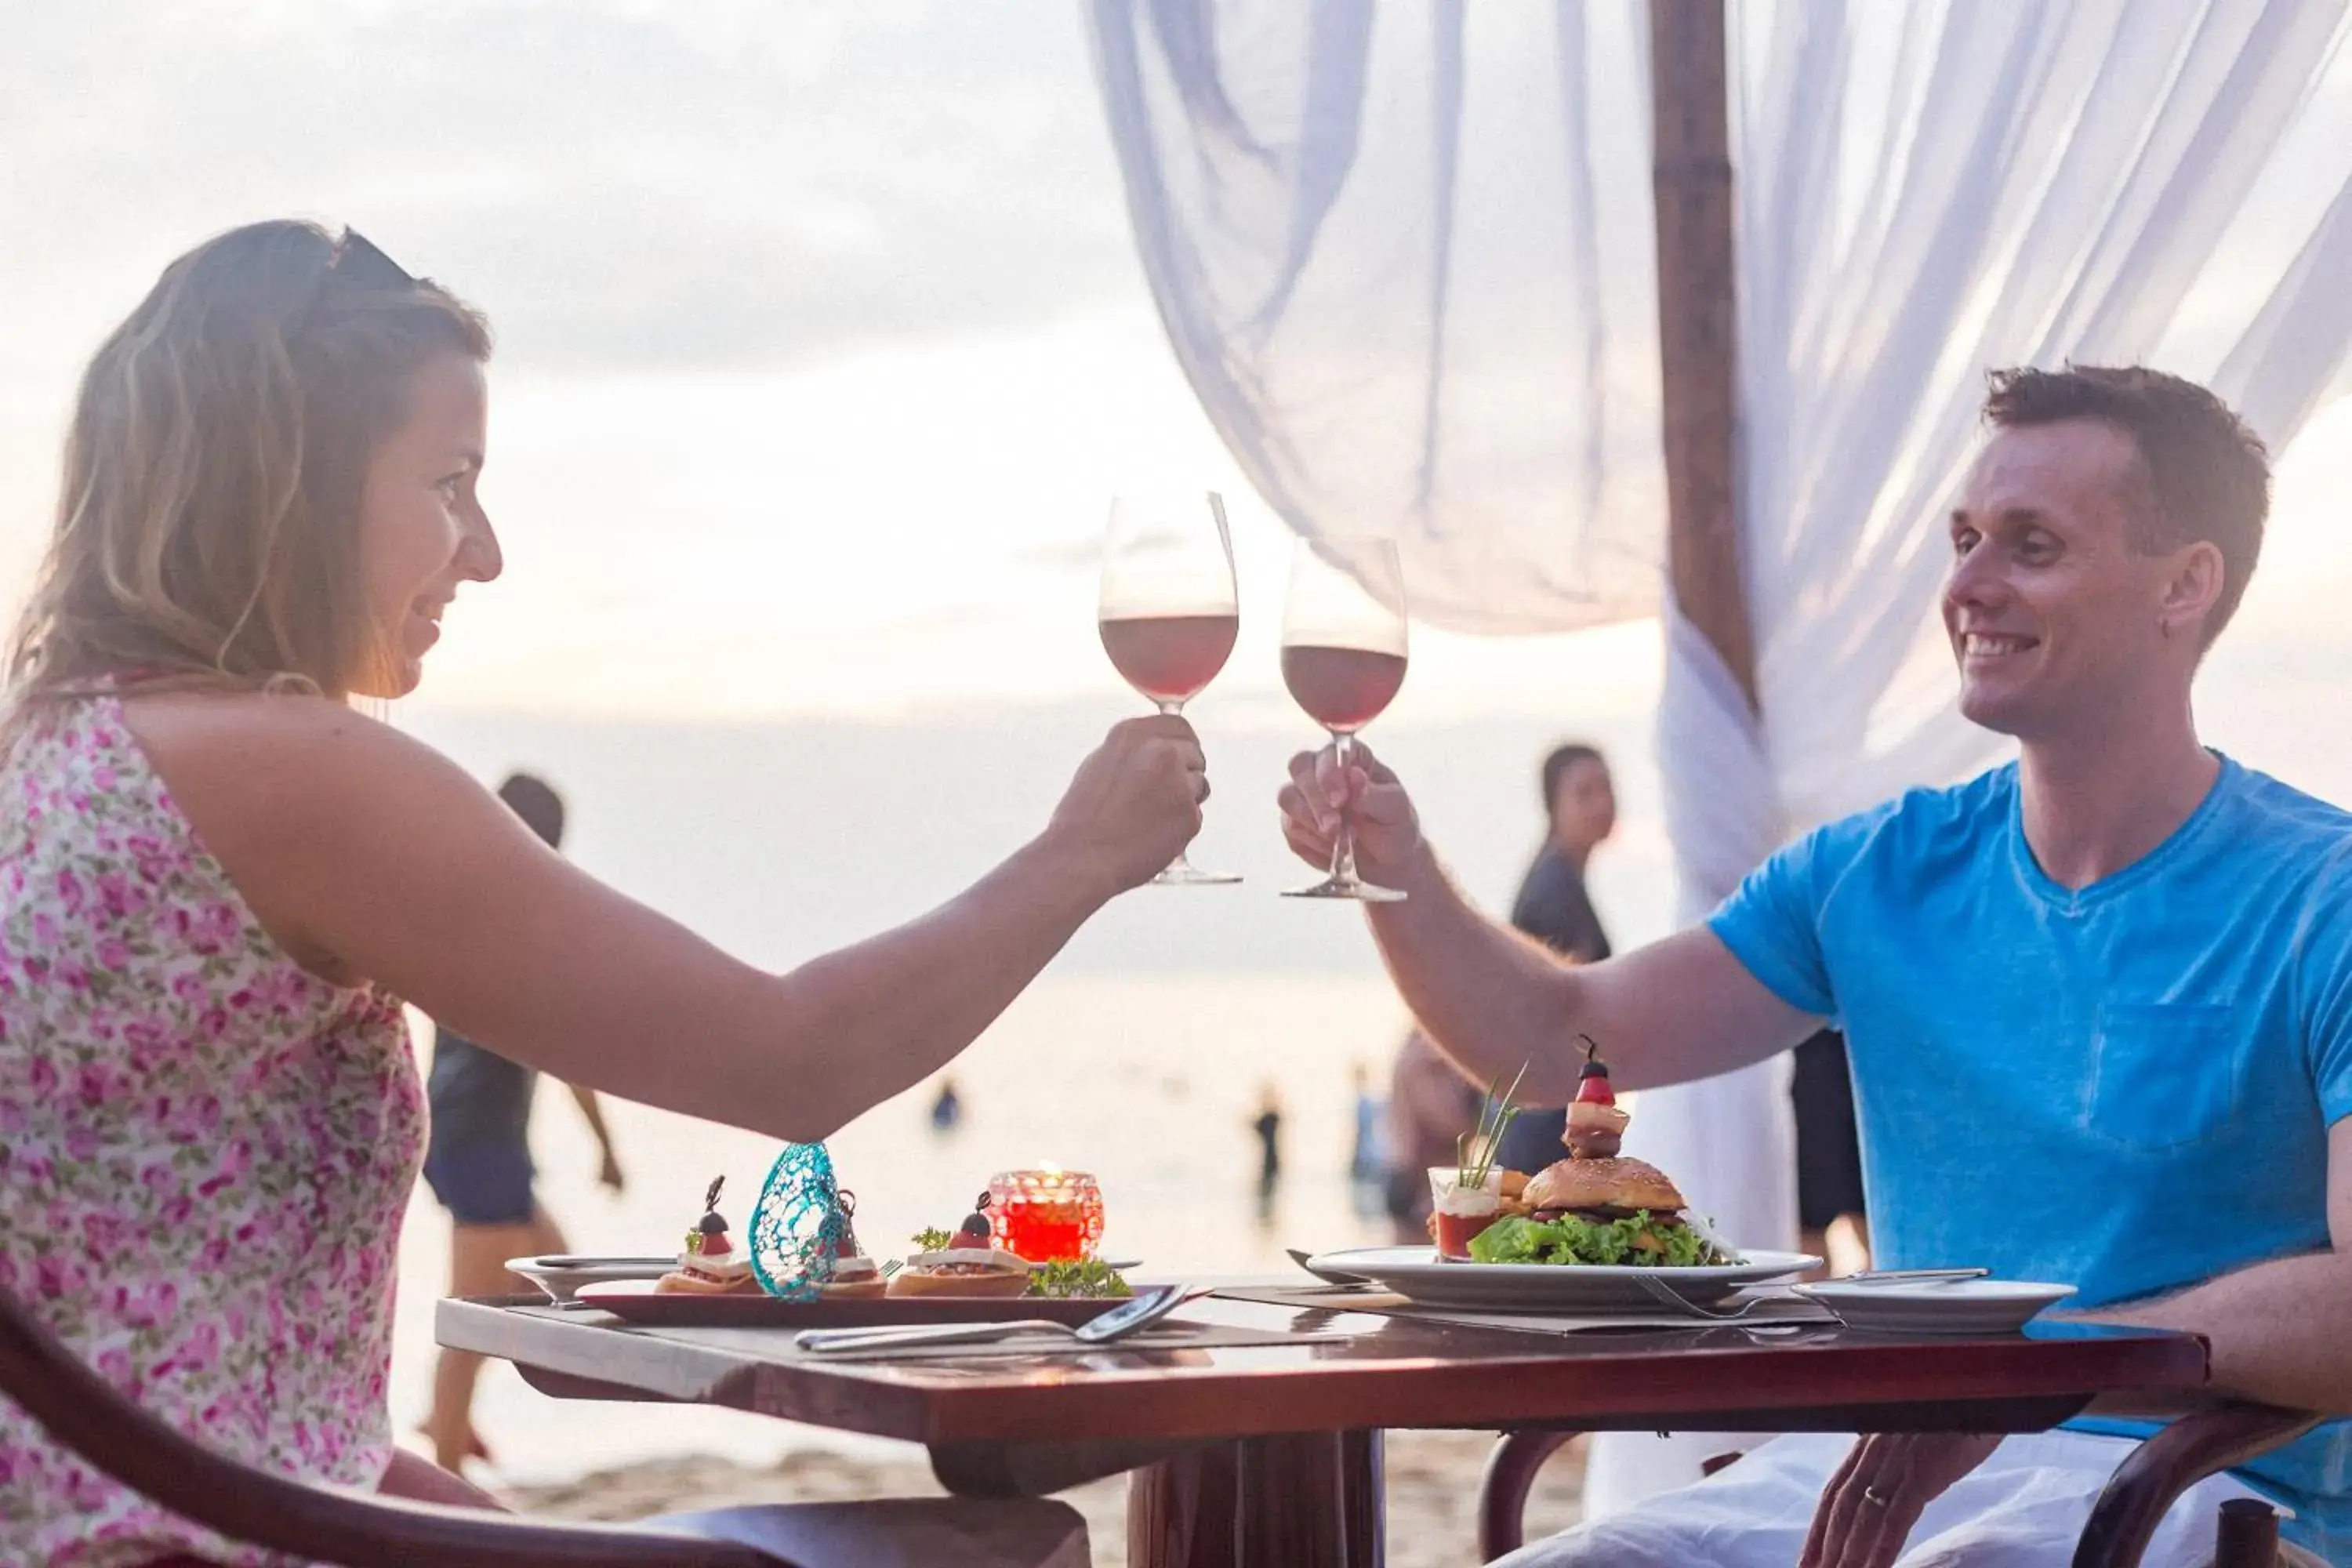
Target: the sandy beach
(1433, 1481)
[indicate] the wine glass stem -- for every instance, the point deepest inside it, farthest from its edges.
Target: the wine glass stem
(1183, 865)
(1343, 846)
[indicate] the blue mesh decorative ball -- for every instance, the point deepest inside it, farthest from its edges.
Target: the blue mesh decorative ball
(798, 1226)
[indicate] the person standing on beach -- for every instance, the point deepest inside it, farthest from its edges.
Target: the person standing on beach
(477, 1163)
(2098, 1003)
(1832, 1208)
(1431, 1106)
(1367, 1163)
(1579, 801)
(1267, 1126)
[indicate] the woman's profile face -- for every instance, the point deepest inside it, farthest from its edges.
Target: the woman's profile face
(422, 529)
(1584, 807)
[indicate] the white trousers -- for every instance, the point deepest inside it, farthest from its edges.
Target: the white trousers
(903, 1532)
(2023, 1508)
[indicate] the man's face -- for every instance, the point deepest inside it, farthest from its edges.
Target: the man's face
(2052, 609)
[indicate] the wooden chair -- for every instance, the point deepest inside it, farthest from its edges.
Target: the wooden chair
(2121, 1523)
(86, 1414)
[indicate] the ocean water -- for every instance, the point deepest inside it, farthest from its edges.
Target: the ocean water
(1149, 1081)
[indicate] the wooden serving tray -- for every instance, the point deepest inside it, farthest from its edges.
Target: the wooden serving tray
(636, 1301)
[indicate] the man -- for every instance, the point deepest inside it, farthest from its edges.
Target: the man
(1579, 813)
(2098, 1002)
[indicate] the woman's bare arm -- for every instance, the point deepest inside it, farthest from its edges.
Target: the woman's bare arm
(1678, 1009)
(370, 856)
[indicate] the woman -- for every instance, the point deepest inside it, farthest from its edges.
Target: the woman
(219, 881)
(1580, 800)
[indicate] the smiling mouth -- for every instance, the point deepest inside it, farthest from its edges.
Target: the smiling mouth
(1987, 644)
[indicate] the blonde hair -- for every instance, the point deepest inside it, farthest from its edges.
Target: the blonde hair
(208, 525)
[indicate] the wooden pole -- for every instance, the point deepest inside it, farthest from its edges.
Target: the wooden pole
(1698, 322)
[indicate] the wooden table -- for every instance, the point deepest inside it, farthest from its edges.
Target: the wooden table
(1270, 1455)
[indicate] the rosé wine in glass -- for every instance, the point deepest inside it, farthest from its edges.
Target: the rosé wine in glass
(1168, 611)
(1342, 689)
(1170, 658)
(1343, 658)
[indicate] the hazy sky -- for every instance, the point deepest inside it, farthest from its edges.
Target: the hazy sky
(822, 346)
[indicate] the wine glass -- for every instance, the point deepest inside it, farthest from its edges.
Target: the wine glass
(1343, 657)
(1169, 612)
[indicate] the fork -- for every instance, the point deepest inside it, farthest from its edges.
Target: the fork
(1666, 1295)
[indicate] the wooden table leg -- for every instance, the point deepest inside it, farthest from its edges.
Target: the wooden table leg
(1180, 1512)
(1309, 1499)
(1364, 1476)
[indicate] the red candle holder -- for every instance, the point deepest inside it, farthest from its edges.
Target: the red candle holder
(1045, 1216)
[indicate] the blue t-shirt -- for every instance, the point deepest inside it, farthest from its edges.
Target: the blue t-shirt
(2049, 1081)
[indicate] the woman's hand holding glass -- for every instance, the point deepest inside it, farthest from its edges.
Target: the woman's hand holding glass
(1135, 802)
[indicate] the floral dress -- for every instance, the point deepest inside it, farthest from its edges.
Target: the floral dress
(206, 1152)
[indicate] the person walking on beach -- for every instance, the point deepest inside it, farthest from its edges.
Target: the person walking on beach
(221, 880)
(2114, 976)
(477, 1162)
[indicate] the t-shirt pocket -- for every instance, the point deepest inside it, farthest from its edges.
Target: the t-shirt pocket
(2165, 1074)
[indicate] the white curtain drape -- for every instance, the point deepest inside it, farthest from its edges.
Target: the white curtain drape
(1405, 255)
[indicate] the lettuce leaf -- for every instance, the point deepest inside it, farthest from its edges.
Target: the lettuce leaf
(1570, 1239)
(1091, 1279)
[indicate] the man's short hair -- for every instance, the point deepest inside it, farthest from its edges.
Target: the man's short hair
(1562, 758)
(2208, 477)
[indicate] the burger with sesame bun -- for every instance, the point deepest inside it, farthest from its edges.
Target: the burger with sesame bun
(1596, 1206)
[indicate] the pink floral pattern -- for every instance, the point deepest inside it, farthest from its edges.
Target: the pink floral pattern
(204, 1153)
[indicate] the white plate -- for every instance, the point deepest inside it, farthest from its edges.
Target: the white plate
(563, 1275)
(1931, 1307)
(560, 1275)
(1418, 1273)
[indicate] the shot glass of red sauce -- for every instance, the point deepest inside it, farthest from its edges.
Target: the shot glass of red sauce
(1047, 1215)
(1463, 1210)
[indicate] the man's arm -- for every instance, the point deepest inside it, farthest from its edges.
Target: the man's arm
(1492, 999)
(2280, 1331)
